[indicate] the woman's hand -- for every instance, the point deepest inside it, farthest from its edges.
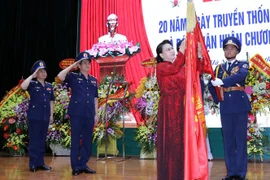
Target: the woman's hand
(183, 47)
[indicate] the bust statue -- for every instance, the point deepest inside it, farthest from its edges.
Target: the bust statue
(112, 23)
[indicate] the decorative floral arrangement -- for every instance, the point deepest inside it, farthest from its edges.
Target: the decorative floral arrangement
(146, 135)
(13, 121)
(116, 48)
(59, 131)
(256, 140)
(147, 95)
(114, 90)
(105, 132)
(258, 89)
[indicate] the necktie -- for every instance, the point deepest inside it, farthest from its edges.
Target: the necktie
(229, 65)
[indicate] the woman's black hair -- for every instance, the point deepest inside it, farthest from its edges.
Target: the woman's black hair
(159, 49)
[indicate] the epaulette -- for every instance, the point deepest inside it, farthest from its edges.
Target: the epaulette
(48, 83)
(73, 73)
(93, 77)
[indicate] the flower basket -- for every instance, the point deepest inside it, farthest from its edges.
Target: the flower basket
(147, 95)
(147, 155)
(59, 150)
(111, 148)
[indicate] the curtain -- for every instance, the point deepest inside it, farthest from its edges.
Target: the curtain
(32, 30)
(130, 24)
(35, 30)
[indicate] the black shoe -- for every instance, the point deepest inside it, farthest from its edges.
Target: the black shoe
(228, 178)
(44, 167)
(33, 169)
(241, 178)
(88, 171)
(75, 172)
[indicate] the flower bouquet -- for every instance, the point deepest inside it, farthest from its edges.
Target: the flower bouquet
(146, 135)
(116, 48)
(59, 131)
(104, 133)
(147, 95)
(114, 101)
(258, 90)
(14, 122)
(256, 140)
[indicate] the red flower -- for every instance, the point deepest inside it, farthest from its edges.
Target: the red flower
(15, 148)
(6, 135)
(21, 81)
(11, 120)
(267, 85)
(4, 120)
(6, 127)
(18, 131)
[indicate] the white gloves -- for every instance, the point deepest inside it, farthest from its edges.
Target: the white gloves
(217, 82)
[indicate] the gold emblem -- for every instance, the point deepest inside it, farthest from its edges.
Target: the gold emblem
(230, 42)
(41, 64)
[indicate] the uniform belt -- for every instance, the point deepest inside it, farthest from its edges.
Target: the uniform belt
(236, 88)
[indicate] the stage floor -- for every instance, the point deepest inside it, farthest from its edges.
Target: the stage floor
(111, 169)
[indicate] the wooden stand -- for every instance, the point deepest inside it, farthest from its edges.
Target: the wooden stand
(111, 64)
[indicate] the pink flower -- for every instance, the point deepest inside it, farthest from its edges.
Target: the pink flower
(248, 90)
(251, 117)
(11, 121)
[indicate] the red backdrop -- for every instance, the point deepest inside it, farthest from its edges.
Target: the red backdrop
(130, 24)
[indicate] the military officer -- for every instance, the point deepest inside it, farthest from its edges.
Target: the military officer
(39, 114)
(234, 108)
(82, 110)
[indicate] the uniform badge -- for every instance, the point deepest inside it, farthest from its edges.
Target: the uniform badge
(49, 89)
(245, 66)
(80, 79)
(41, 64)
(84, 54)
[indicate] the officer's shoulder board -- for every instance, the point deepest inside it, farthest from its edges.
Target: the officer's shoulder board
(74, 73)
(93, 77)
(243, 64)
(47, 83)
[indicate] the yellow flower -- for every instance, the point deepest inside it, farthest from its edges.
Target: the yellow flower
(140, 88)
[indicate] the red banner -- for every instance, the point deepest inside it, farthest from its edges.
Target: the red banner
(259, 63)
(196, 160)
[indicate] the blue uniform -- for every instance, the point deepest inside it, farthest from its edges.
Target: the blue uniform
(38, 116)
(82, 114)
(234, 115)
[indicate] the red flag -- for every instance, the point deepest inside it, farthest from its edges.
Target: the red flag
(196, 160)
(207, 65)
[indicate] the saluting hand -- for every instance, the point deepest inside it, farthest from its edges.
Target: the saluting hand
(34, 75)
